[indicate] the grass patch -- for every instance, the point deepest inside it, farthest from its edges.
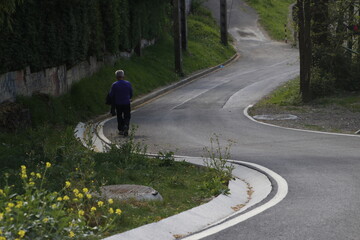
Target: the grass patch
(273, 15)
(286, 95)
(348, 100)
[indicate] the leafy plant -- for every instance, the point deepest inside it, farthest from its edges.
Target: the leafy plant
(216, 158)
(37, 213)
(167, 158)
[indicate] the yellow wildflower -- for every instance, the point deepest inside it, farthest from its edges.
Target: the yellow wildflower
(66, 198)
(81, 212)
(2, 238)
(76, 191)
(1, 192)
(21, 233)
(11, 205)
(93, 209)
(71, 234)
(118, 211)
(23, 175)
(32, 174)
(100, 203)
(85, 190)
(88, 195)
(67, 184)
(1, 216)
(75, 199)
(110, 201)
(111, 210)
(19, 204)
(45, 220)
(53, 206)
(23, 168)
(11, 219)
(80, 195)
(7, 209)
(31, 183)
(47, 165)
(59, 199)
(38, 175)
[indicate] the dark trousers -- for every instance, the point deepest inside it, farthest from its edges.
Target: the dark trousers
(123, 113)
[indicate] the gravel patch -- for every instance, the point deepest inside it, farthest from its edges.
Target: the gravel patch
(329, 118)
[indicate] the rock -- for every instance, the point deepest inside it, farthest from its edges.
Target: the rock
(124, 192)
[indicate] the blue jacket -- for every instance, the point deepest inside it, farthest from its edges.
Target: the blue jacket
(121, 92)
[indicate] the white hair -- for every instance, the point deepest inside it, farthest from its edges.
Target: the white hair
(119, 73)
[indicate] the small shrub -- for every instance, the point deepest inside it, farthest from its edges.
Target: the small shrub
(322, 83)
(167, 159)
(220, 170)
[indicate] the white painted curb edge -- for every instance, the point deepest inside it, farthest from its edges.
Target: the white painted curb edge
(279, 196)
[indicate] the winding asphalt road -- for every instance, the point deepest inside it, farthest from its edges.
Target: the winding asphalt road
(322, 170)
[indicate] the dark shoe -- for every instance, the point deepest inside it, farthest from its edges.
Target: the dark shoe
(121, 133)
(126, 131)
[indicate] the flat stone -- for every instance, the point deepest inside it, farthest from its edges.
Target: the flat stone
(128, 191)
(276, 117)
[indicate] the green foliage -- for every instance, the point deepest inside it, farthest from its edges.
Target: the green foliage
(7, 8)
(322, 83)
(167, 158)
(216, 159)
(52, 33)
(38, 213)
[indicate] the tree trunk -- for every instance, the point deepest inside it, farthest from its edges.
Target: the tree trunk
(177, 38)
(304, 21)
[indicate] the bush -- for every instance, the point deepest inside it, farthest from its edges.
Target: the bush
(322, 83)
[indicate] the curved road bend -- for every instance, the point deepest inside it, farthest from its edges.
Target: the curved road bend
(322, 170)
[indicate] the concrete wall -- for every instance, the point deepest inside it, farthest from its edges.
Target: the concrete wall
(53, 81)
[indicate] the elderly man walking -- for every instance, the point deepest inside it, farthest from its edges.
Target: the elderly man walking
(121, 93)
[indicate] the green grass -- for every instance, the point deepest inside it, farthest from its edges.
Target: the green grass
(286, 95)
(348, 100)
(273, 15)
(181, 186)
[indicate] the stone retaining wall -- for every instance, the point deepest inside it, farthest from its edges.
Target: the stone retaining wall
(53, 81)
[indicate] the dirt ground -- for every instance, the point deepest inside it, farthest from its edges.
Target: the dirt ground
(331, 118)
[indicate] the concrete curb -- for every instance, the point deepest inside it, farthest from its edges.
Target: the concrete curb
(251, 189)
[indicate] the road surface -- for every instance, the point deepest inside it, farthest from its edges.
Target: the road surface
(322, 170)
